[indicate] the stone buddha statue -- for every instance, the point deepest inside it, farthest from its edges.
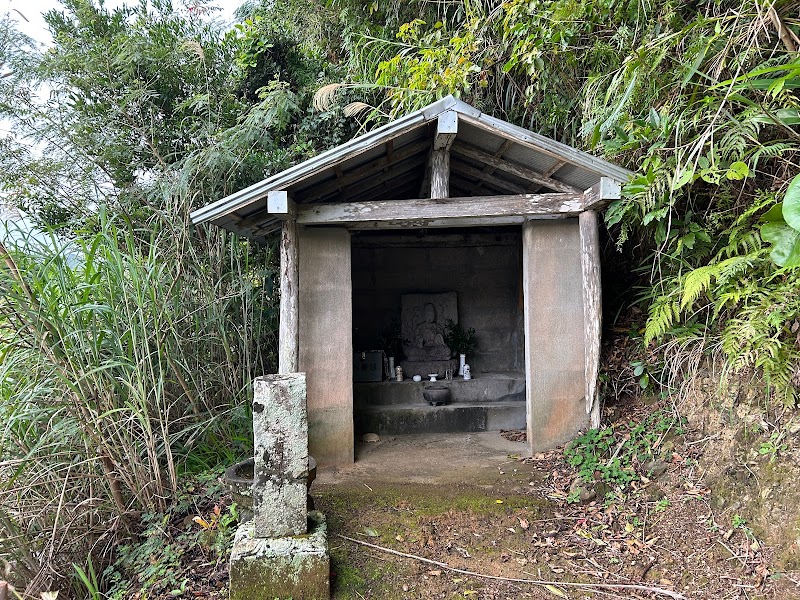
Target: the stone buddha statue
(428, 343)
(423, 328)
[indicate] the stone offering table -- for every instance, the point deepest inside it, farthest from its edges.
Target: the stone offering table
(283, 551)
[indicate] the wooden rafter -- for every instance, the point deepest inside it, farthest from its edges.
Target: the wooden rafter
(399, 170)
(550, 171)
(515, 169)
(380, 191)
(365, 171)
(483, 177)
(490, 169)
(553, 168)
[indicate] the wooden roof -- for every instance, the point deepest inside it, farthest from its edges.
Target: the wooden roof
(488, 158)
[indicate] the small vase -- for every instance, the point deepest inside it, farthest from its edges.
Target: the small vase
(391, 367)
(462, 359)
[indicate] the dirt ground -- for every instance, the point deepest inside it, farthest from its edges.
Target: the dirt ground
(478, 503)
(720, 520)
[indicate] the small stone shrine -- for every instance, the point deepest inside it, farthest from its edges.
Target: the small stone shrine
(283, 551)
(423, 199)
(424, 320)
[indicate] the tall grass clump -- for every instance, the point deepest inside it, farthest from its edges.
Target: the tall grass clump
(126, 359)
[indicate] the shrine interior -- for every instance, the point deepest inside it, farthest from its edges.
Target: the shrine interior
(483, 268)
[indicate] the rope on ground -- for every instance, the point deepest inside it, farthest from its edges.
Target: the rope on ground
(539, 582)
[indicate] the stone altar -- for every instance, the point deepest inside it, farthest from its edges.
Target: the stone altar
(423, 324)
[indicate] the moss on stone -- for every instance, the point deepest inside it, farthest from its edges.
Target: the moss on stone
(296, 568)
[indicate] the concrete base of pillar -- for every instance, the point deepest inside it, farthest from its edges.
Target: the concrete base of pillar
(281, 568)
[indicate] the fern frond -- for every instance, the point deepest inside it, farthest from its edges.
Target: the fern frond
(663, 313)
(695, 283)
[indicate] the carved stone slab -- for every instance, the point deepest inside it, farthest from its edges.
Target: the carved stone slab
(424, 319)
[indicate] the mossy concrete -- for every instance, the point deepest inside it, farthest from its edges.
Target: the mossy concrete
(296, 568)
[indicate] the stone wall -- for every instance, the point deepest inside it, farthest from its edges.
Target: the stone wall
(484, 269)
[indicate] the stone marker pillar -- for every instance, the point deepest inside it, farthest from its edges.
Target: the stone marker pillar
(283, 551)
(280, 433)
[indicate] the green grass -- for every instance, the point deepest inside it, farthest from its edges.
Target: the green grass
(127, 362)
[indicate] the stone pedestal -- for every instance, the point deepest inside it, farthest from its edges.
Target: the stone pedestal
(283, 552)
(296, 568)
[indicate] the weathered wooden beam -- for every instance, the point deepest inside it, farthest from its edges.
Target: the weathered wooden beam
(483, 176)
(490, 208)
(602, 193)
(554, 167)
(551, 170)
(399, 224)
(366, 170)
(446, 131)
(592, 309)
(513, 168)
(288, 326)
(489, 169)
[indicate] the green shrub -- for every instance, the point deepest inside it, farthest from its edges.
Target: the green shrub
(617, 454)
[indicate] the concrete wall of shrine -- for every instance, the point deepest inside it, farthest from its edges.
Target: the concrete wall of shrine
(325, 336)
(554, 332)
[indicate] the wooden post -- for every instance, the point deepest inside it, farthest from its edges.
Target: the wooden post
(592, 309)
(446, 131)
(278, 203)
(289, 346)
(440, 174)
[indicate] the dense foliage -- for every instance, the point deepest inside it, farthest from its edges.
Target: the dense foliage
(700, 99)
(129, 338)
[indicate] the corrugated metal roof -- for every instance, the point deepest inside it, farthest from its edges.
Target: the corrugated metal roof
(488, 156)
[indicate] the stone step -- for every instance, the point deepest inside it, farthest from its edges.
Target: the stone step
(493, 387)
(450, 418)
